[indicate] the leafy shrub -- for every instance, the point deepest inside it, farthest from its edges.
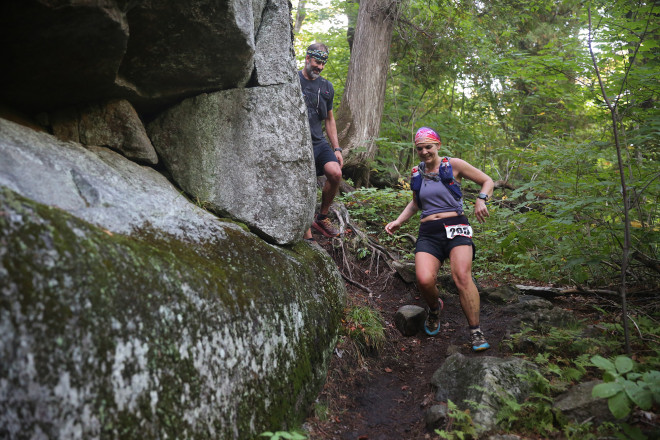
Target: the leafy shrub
(624, 387)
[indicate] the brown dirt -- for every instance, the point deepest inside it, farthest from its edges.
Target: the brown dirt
(384, 396)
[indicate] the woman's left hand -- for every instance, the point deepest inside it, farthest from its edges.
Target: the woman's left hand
(480, 210)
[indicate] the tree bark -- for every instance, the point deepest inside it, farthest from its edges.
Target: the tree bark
(359, 115)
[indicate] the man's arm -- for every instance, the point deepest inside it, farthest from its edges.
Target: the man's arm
(331, 131)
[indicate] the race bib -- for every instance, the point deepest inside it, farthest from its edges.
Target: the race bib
(455, 230)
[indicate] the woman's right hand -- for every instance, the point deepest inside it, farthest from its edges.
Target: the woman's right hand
(391, 227)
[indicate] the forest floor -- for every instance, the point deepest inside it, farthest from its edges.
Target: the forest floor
(384, 396)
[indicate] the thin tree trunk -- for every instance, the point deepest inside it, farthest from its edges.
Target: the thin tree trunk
(301, 13)
(625, 258)
(361, 109)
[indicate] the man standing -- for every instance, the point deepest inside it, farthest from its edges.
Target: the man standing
(319, 93)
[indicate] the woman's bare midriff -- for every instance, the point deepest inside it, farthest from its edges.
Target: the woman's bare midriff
(438, 216)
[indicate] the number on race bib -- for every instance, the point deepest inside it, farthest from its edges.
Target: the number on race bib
(455, 230)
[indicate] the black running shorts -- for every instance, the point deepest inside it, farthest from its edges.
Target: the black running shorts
(433, 239)
(323, 153)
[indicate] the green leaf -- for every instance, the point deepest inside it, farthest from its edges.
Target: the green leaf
(623, 364)
(633, 432)
(619, 405)
(606, 390)
(603, 363)
(640, 395)
(652, 377)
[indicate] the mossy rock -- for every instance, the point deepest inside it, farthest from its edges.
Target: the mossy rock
(145, 336)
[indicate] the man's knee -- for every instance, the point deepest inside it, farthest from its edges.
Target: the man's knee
(332, 172)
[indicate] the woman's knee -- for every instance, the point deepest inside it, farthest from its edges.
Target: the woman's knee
(426, 279)
(462, 279)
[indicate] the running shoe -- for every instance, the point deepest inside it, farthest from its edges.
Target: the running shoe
(478, 341)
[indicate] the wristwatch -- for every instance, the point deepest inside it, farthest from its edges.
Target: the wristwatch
(338, 149)
(483, 196)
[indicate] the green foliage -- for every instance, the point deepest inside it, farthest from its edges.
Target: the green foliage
(365, 327)
(461, 425)
(373, 209)
(565, 356)
(624, 387)
(284, 435)
(534, 415)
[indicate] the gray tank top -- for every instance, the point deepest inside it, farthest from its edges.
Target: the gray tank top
(436, 198)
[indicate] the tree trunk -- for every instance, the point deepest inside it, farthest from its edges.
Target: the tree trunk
(359, 115)
(352, 7)
(301, 12)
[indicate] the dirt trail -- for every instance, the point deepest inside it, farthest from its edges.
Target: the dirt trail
(384, 397)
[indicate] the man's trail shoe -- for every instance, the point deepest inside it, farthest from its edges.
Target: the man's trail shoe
(325, 227)
(432, 323)
(478, 341)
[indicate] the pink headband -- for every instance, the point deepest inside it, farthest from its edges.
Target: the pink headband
(427, 136)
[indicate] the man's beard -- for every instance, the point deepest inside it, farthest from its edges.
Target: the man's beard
(312, 73)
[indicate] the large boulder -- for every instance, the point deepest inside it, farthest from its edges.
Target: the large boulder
(128, 311)
(246, 154)
(152, 53)
(96, 185)
(487, 381)
(178, 49)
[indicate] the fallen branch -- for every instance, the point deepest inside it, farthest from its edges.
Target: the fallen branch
(581, 290)
(646, 261)
(543, 292)
(552, 292)
(504, 184)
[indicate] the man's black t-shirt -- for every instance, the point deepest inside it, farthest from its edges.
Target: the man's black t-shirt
(318, 95)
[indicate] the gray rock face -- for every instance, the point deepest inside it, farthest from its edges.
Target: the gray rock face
(485, 380)
(114, 124)
(436, 416)
(580, 406)
(150, 52)
(136, 315)
(274, 61)
(501, 294)
(96, 185)
(183, 48)
(536, 312)
(247, 154)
